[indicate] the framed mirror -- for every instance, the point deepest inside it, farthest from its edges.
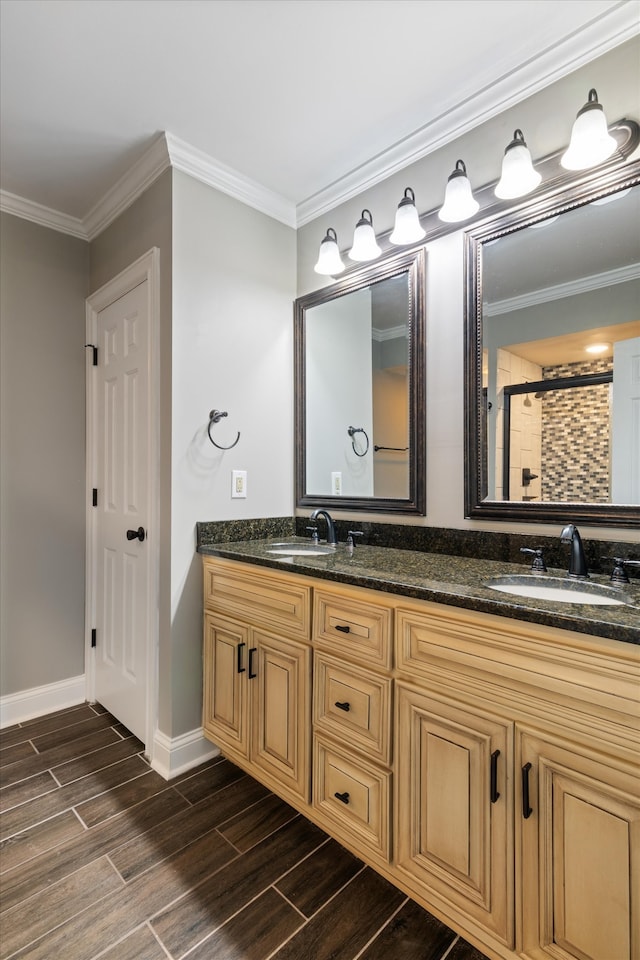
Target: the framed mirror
(360, 389)
(552, 381)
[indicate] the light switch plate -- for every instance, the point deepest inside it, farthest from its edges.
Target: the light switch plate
(238, 484)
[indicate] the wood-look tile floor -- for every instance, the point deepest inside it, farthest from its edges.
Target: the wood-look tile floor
(101, 857)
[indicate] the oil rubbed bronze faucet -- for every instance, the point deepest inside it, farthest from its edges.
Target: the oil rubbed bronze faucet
(577, 559)
(331, 528)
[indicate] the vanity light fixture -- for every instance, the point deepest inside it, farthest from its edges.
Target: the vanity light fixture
(329, 260)
(365, 246)
(518, 175)
(407, 227)
(459, 203)
(591, 143)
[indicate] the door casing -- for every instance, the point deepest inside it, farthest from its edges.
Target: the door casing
(147, 267)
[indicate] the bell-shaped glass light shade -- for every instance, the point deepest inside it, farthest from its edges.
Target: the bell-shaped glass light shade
(364, 240)
(518, 176)
(591, 143)
(459, 203)
(407, 227)
(329, 260)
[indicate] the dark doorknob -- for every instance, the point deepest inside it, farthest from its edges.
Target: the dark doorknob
(138, 534)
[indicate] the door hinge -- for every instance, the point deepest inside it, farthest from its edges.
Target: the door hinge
(95, 353)
(94, 497)
(94, 637)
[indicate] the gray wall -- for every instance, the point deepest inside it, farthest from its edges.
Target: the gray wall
(42, 454)
(546, 120)
(145, 224)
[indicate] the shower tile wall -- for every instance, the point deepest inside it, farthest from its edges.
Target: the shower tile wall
(575, 437)
(525, 443)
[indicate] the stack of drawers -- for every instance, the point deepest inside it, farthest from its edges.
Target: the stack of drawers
(352, 700)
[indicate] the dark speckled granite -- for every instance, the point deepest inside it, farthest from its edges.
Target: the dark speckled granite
(454, 580)
(225, 531)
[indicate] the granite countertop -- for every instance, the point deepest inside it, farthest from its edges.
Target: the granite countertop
(456, 581)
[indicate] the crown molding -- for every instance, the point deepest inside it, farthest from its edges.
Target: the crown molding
(560, 290)
(202, 167)
(154, 161)
(564, 57)
(44, 216)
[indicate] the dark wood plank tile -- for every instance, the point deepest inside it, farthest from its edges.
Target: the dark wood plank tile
(464, 951)
(137, 856)
(198, 914)
(412, 934)
(253, 825)
(109, 920)
(253, 933)
(73, 732)
(346, 924)
(26, 790)
(56, 800)
(31, 877)
(19, 751)
(32, 843)
(139, 945)
(205, 782)
(318, 878)
(42, 725)
(97, 759)
(120, 798)
(38, 915)
(47, 761)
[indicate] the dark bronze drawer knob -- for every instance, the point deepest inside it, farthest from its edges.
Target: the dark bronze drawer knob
(342, 797)
(343, 706)
(343, 629)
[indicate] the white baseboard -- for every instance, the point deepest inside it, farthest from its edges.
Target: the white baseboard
(173, 756)
(27, 704)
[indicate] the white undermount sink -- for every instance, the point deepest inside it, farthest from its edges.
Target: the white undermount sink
(557, 589)
(300, 549)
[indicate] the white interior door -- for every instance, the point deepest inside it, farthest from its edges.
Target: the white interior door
(122, 554)
(625, 422)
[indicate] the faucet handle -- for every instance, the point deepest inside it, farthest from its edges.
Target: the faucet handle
(314, 533)
(537, 564)
(350, 541)
(619, 573)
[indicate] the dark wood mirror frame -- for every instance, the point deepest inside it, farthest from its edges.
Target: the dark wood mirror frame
(411, 262)
(562, 193)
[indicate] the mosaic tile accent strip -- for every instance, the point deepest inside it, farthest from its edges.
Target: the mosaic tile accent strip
(575, 437)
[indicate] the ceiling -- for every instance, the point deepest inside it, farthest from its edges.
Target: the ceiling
(306, 99)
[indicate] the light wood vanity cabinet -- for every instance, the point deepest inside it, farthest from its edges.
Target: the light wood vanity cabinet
(489, 767)
(257, 679)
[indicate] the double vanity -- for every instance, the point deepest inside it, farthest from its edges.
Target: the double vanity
(479, 748)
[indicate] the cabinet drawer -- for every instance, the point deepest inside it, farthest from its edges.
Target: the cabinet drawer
(353, 628)
(353, 798)
(258, 597)
(354, 705)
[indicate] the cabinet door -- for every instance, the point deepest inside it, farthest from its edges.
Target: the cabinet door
(280, 685)
(453, 801)
(580, 854)
(225, 713)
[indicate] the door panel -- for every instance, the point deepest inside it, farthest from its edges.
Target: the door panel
(122, 567)
(225, 717)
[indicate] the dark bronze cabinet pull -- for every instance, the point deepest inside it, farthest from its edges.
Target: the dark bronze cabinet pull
(343, 706)
(493, 789)
(343, 629)
(526, 809)
(252, 673)
(342, 797)
(241, 647)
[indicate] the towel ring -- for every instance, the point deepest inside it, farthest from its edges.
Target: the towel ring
(215, 417)
(353, 430)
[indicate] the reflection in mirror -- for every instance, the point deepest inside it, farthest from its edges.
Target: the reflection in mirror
(553, 375)
(360, 388)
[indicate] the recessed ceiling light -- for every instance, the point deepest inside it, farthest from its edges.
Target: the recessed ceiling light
(598, 348)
